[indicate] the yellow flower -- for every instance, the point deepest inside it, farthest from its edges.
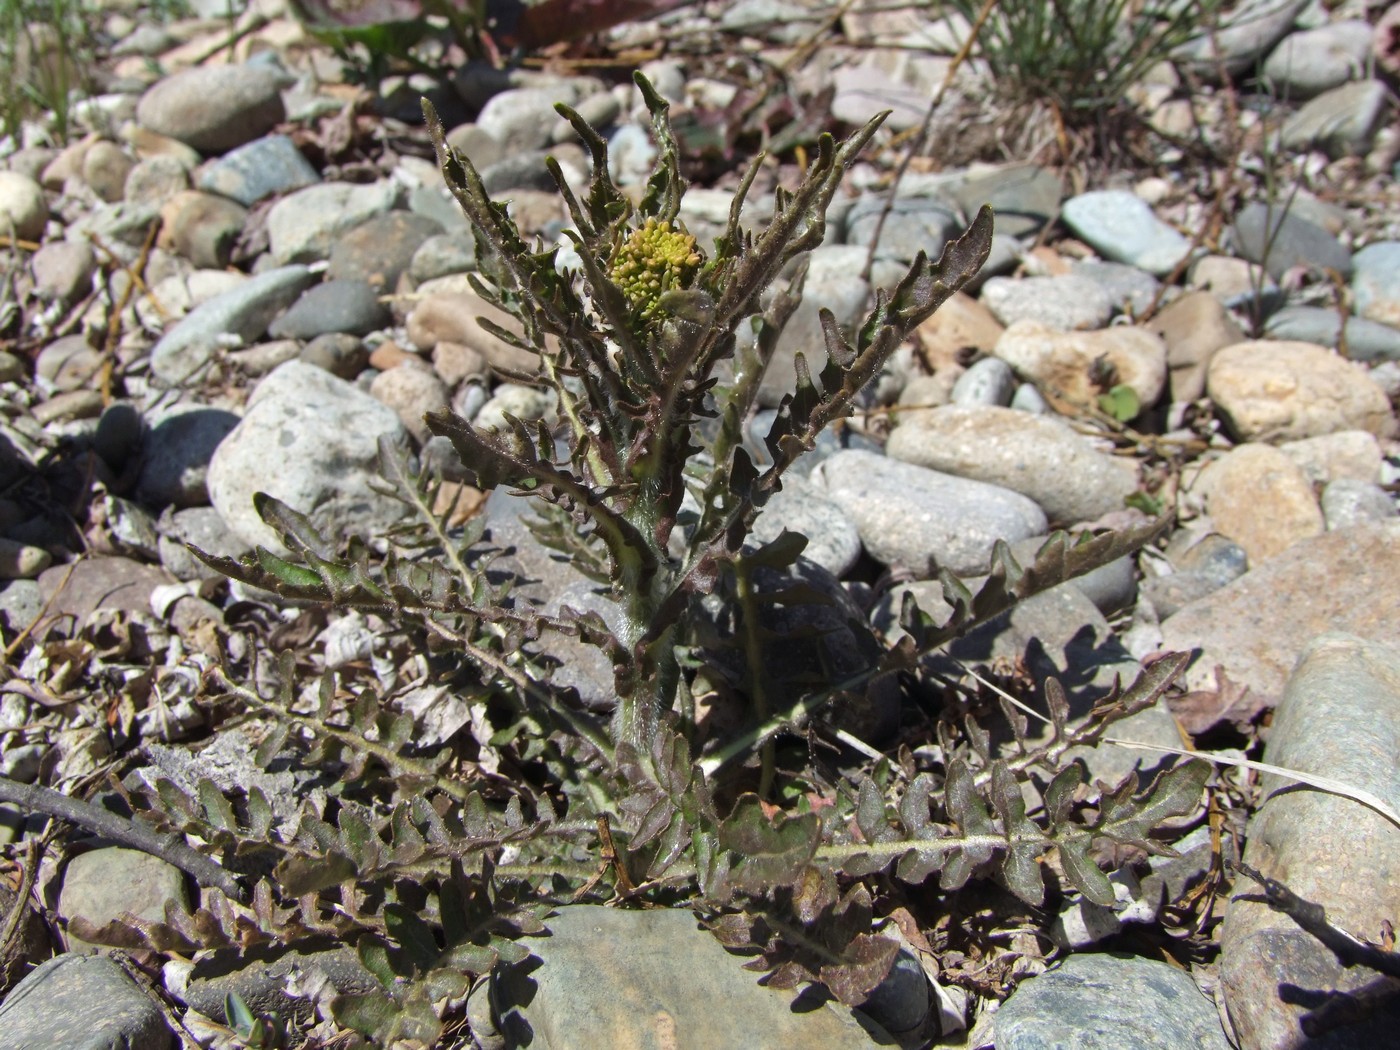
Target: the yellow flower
(654, 260)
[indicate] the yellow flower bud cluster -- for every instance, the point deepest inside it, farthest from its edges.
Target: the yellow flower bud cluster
(654, 260)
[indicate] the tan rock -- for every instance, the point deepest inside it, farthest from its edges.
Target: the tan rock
(1063, 363)
(412, 390)
(1193, 328)
(1275, 390)
(454, 319)
(1258, 497)
(1226, 276)
(1353, 455)
(960, 324)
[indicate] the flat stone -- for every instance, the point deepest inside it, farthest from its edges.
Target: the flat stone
(179, 447)
(1039, 457)
(1066, 303)
(311, 440)
(1257, 626)
(833, 539)
(81, 1002)
(922, 519)
(1346, 503)
(452, 317)
(1120, 226)
(1277, 391)
(914, 224)
(258, 169)
(1193, 328)
(63, 270)
(1261, 499)
(1340, 718)
(214, 108)
(1375, 285)
(1311, 61)
(243, 312)
(1342, 121)
(304, 226)
(336, 306)
(80, 589)
(960, 324)
(1366, 340)
(1025, 197)
(412, 391)
(1130, 290)
(1280, 240)
(203, 227)
(103, 884)
(1354, 454)
(1101, 1001)
(660, 992)
(379, 250)
(1243, 37)
(1063, 363)
(260, 975)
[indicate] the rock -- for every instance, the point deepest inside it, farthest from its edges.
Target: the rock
(201, 527)
(1063, 363)
(1276, 391)
(22, 206)
(1110, 587)
(1064, 303)
(204, 228)
(1279, 240)
(1121, 226)
(1365, 340)
(960, 324)
(1109, 1000)
(833, 283)
(310, 440)
(214, 108)
(266, 166)
(443, 254)
(914, 224)
(989, 381)
(1040, 458)
(922, 519)
(833, 539)
(1261, 499)
(1242, 38)
(1312, 61)
(411, 391)
(110, 583)
(863, 89)
(476, 144)
(69, 405)
(32, 943)
(63, 270)
(350, 306)
(102, 884)
(379, 250)
(105, 170)
(519, 173)
(175, 469)
(453, 318)
(86, 1002)
(1129, 289)
(525, 403)
(68, 363)
(1375, 285)
(260, 976)
(1025, 197)
(305, 225)
(455, 363)
(155, 180)
(19, 561)
(20, 605)
(1346, 502)
(243, 312)
(338, 353)
(1193, 328)
(1351, 454)
(1338, 719)
(1257, 626)
(523, 118)
(568, 995)
(1342, 121)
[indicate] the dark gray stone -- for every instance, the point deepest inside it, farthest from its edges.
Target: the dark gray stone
(1366, 340)
(1025, 197)
(118, 436)
(914, 224)
(178, 450)
(1109, 1002)
(81, 1002)
(214, 108)
(351, 306)
(203, 528)
(258, 169)
(1279, 240)
(379, 250)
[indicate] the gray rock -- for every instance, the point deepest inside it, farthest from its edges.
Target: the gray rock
(1342, 121)
(523, 118)
(1041, 458)
(350, 306)
(1110, 587)
(600, 110)
(68, 363)
(258, 169)
(1244, 37)
(1028, 399)
(1025, 197)
(989, 381)
(1312, 61)
(914, 224)
(214, 108)
(304, 226)
(339, 353)
(204, 229)
(81, 1002)
(105, 169)
(569, 995)
(922, 519)
(1352, 454)
(476, 144)
(63, 270)
(1375, 283)
(311, 440)
(22, 205)
(1365, 340)
(1120, 226)
(1257, 626)
(833, 540)
(443, 254)
(80, 589)
(1337, 718)
(156, 180)
(519, 171)
(103, 884)
(201, 527)
(1347, 502)
(1065, 303)
(379, 250)
(1101, 1001)
(20, 604)
(178, 450)
(1280, 240)
(243, 312)
(1130, 289)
